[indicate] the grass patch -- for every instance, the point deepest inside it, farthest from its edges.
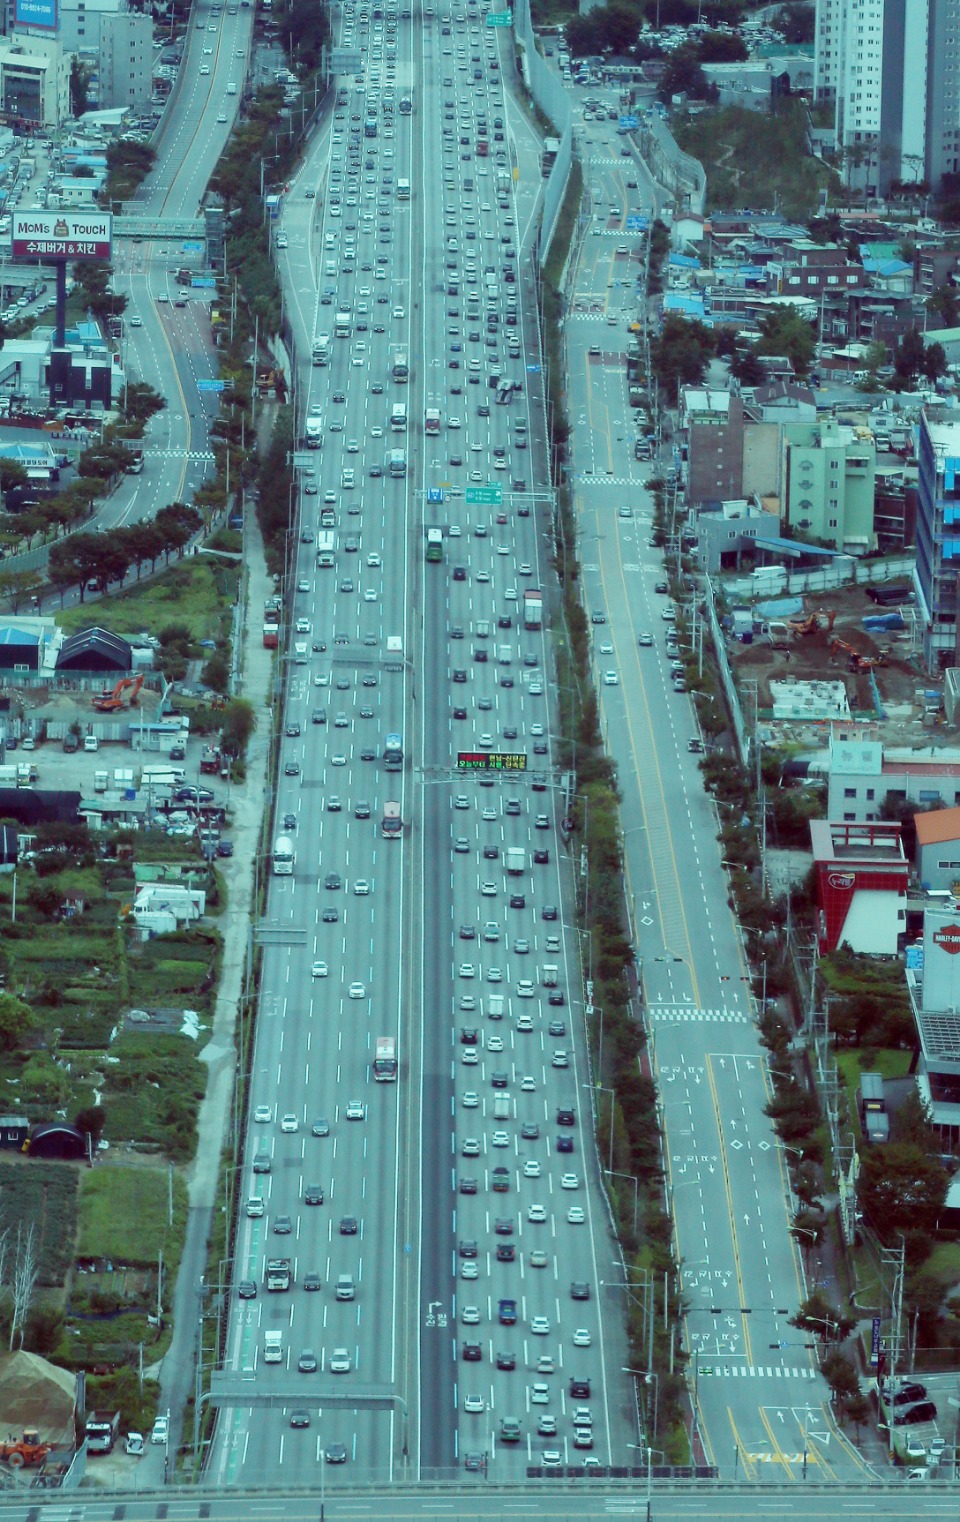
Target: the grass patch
(944, 1261)
(197, 593)
(44, 1195)
(124, 1216)
(153, 1092)
(756, 160)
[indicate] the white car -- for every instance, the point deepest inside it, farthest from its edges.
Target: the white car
(361, 887)
(581, 1337)
(488, 889)
(355, 1109)
(303, 626)
(528, 1085)
(531, 1168)
(470, 1100)
(575, 1215)
(469, 1270)
(570, 1181)
(453, 422)
(319, 970)
(474, 1404)
(289, 1124)
(610, 679)
(469, 1056)
(537, 1214)
(263, 1113)
(499, 1139)
(470, 1315)
(494, 1043)
(339, 1361)
(540, 1326)
(536, 730)
(373, 560)
(369, 595)
(161, 1430)
(338, 760)
(467, 970)
(539, 1395)
(353, 446)
(358, 990)
(525, 989)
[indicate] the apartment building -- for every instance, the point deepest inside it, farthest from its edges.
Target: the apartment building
(713, 422)
(938, 534)
(891, 69)
(117, 45)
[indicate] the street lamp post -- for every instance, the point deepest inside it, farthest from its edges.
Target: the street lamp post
(647, 1375)
(612, 1173)
(602, 1089)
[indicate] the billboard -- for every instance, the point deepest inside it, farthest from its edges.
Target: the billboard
(491, 761)
(61, 235)
(39, 13)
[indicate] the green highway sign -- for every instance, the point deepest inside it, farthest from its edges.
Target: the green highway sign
(491, 761)
(484, 496)
(500, 18)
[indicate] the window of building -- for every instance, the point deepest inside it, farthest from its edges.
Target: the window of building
(849, 792)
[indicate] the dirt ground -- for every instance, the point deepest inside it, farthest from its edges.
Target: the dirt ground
(816, 657)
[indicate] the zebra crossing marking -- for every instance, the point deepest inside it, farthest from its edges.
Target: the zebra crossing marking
(683, 1014)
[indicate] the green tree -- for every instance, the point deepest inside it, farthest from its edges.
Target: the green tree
(901, 1188)
(796, 22)
(817, 1314)
(75, 562)
(17, 1020)
(944, 303)
(722, 47)
(782, 331)
(17, 586)
(216, 672)
(680, 354)
(934, 361)
(238, 723)
(909, 356)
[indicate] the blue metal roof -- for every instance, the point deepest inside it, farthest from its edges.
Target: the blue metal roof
(12, 636)
(793, 548)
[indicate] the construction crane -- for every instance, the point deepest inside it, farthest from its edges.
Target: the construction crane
(111, 702)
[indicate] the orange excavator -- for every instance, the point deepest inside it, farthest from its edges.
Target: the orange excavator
(27, 1450)
(823, 619)
(112, 702)
(855, 661)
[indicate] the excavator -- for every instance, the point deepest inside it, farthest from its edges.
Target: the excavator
(112, 702)
(27, 1450)
(856, 662)
(822, 619)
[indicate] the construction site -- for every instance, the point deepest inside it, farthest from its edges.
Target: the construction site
(837, 637)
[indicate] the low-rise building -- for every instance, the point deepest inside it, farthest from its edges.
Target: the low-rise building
(864, 774)
(862, 877)
(933, 983)
(828, 477)
(938, 850)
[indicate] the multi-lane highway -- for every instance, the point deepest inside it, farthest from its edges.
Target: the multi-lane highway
(469, 1182)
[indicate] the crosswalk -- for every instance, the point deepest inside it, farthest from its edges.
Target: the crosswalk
(203, 455)
(687, 1014)
(752, 1371)
(583, 479)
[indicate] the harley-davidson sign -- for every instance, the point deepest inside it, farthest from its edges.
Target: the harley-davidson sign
(61, 235)
(948, 939)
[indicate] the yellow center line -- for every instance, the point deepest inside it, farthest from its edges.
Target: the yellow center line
(748, 1348)
(746, 1459)
(779, 1457)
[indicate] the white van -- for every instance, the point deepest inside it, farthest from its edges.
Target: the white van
(232, 88)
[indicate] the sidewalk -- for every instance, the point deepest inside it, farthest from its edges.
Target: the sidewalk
(178, 1372)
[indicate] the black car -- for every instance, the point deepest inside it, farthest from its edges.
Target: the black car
(579, 1290)
(491, 853)
(598, 618)
(330, 916)
(472, 1352)
(367, 754)
(333, 880)
(506, 1361)
(459, 573)
(580, 1388)
(474, 1463)
(566, 1116)
(481, 656)
(468, 1186)
(499, 1079)
(556, 1028)
(313, 1195)
(467, 933)
(556, 998)
(459, 675)
(564, 1144)
(503, 1226)
(467, 1248)
(247, 1290)
(506, 1252)
(348, 1226)
(541, 858)
(459, 713)
(504, 621)
(909, 1416)
(336, 1453)
(301, 1418)
(311, 1282)
(518, 901)
(319, 716)
(548, 912)
(361, 810)
(530, 1131)
(291, 769)
(908, 1393)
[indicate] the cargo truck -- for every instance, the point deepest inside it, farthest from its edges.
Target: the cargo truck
(273, 1347)
(313, 433)
(325, 556)
(385, 1060)
(533, 610)
(393, 753)
(101, 1431)
(278, 1274)
(431, 422)
(284, 856)
(341, 325)
(507, 1311)
(516, 860)
(321, 349)
(391, 826)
